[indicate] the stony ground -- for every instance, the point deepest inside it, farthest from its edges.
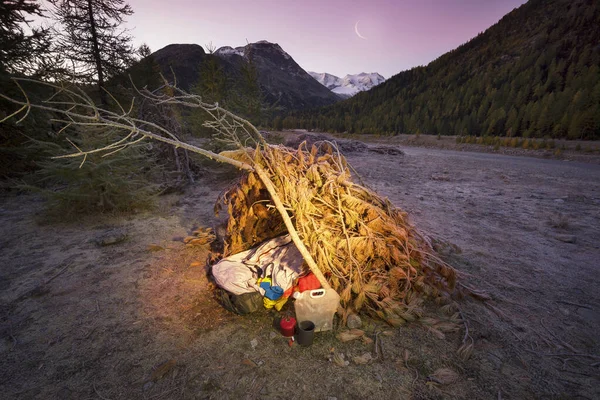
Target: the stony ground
(118, 307)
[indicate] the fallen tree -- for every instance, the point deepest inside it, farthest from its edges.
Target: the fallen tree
(353, 240)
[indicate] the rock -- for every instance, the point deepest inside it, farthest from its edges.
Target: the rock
(592, 316)
(387, 150)
(351, 146)
(564, 310)
(364, 359)
(354, 321)
(366, 340)
(443, 376)
(110, 238)
(162, 370)
(344, 145)
(310, 138)
(249, 362)
(566, 238)
(254, 343)
(352, 334)
(152, 247)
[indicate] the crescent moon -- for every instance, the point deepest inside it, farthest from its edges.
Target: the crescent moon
(357, 32)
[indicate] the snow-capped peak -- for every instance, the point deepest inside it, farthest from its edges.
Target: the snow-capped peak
(327, 80)
(350, 84)
(241, 50)
(228, 50)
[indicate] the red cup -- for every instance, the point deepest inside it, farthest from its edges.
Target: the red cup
(287, 325)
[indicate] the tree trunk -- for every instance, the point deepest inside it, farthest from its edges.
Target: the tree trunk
(96, 50)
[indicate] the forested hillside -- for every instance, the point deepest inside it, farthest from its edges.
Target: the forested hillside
(536, 73)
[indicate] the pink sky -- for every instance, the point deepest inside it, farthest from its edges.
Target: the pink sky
(319, 34)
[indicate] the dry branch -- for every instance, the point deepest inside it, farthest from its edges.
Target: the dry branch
(82, 111)
(352, 239)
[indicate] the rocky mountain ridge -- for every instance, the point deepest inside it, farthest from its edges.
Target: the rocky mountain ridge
(283, 84)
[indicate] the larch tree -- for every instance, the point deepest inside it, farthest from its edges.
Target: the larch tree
(92, 39)
(21, 45)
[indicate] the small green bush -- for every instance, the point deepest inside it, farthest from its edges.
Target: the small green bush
(121, 182)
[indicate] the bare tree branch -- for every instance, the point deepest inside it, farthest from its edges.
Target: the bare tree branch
(79, 110)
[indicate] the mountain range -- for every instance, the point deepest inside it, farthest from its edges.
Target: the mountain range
(350, 84)
(535, 73)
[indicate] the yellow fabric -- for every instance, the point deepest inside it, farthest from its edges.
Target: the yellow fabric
(261, 280)
(278, 304)
(268, 303)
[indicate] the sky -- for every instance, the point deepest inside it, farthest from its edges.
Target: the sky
(320, 34)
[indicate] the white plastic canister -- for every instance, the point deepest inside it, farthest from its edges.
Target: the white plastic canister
(318, 306)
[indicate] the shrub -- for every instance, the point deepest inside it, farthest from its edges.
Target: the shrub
(122, 182)
(559, 221)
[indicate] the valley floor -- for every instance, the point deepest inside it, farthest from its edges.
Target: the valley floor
(80, 320)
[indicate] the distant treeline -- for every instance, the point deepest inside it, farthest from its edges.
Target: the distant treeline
(536, 73)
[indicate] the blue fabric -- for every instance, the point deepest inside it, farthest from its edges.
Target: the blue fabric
(271, 292)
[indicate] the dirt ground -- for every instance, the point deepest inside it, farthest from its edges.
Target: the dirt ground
(115, 308)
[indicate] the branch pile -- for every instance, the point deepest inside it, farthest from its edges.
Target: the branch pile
(364, 246)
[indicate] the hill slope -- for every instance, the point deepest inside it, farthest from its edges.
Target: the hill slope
(534, 73)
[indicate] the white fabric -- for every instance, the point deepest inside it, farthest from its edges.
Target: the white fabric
(234, 276)
(278, 258)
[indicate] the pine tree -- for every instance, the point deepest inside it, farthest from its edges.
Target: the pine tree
(91, 39)
(251, 89)
(212, 82)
